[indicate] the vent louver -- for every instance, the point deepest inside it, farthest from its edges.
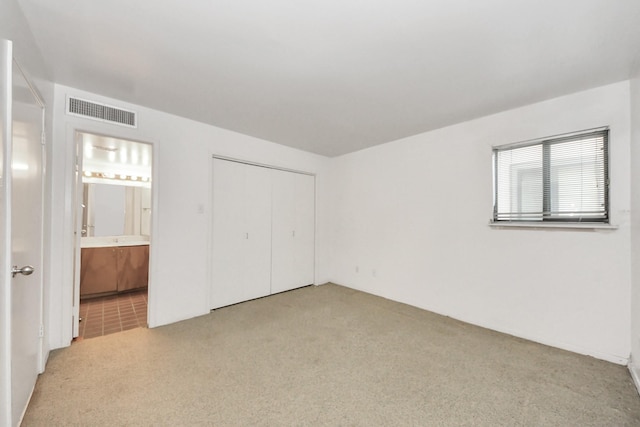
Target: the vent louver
(102, 112)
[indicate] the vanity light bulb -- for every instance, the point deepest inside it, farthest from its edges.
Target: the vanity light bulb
(134, 178)
(123, 176)
(87, 173)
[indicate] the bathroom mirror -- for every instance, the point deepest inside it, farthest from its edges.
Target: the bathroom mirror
(114, 210)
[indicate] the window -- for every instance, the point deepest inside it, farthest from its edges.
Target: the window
(563, 178)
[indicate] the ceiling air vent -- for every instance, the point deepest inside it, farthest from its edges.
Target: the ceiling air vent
(102, 112)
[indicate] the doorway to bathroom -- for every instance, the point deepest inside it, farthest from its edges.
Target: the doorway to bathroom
(113, 234)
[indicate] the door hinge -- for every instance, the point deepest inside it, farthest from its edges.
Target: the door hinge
(41, 331)
(43, 138)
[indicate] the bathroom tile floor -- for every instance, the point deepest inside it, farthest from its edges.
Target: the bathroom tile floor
(111, 314)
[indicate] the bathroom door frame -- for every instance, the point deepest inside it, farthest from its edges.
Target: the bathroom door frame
(77, 219)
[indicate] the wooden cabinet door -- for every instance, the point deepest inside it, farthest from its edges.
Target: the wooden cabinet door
(293, 225)
(98, 270)
(133, 267)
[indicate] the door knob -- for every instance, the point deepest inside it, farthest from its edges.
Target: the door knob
(26, 270)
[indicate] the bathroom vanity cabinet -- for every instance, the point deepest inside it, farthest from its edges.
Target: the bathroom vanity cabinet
(113, 269)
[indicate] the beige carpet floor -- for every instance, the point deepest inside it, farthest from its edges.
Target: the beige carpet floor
(331, 356)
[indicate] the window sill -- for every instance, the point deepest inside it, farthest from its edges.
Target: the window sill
(553, 225)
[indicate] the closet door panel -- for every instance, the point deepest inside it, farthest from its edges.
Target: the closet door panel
(293, 224)
(283, 226)
(263, 231)
(228, 244)
(257, 239)
(304, 253)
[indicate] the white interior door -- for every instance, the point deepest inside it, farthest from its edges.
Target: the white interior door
(22, 223)
(293, 225)
(77, 235)
(241, 253)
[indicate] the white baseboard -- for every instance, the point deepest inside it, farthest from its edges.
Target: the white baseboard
(634, 370)
(613, 358)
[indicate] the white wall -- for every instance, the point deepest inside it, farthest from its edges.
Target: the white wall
(417, 210)
(179, 285)
(635, 229)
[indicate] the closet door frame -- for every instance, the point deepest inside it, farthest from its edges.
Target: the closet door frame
(212, 210)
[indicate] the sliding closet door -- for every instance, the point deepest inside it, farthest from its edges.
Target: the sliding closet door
(241, 249)
(293, 224)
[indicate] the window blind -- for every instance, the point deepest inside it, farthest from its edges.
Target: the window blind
(557, 179)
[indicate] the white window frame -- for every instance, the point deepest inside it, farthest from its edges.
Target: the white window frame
(551, 220)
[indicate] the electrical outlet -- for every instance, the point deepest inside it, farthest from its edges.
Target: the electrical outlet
(357, 269)
(374, 273)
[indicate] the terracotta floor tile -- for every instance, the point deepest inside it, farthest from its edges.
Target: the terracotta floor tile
(91, 336)
(112, 314)
(91, 326)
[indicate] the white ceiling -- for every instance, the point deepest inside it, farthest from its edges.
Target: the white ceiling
(335, 76)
